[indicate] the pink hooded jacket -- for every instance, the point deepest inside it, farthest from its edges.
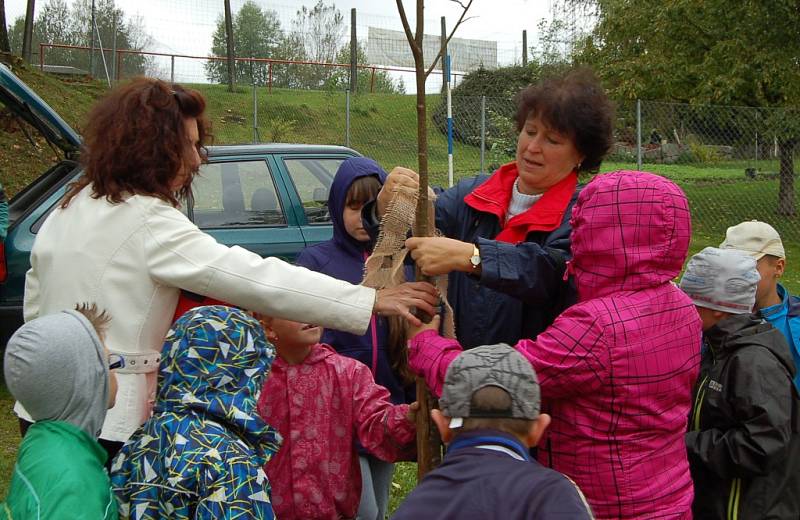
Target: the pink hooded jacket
(616, 369)
(320, 407)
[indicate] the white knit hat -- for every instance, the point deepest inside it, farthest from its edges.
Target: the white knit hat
(721, 279)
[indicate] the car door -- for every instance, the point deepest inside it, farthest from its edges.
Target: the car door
(240, 202)
(311, 178)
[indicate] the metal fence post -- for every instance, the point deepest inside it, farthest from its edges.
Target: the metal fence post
(114, 51)
(347, 118)
(172, 69)
(483, 133)
(255, 105)
(639, 134)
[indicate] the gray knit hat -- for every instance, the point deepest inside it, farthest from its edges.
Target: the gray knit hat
(721, 279)
(490, 365)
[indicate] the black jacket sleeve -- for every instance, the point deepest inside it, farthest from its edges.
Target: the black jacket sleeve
(760, 391)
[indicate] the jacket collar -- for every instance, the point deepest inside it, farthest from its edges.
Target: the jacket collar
(768, 312)
(725, 334)
(487, 437)
(319, 352)
(494, 196)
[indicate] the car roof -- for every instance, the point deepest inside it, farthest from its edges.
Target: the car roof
(278, 148)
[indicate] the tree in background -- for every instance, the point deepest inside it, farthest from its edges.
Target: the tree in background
(383, 81)
(257, 33)
(320, 31)
(5, 46)
(59, 23)
(705, 51)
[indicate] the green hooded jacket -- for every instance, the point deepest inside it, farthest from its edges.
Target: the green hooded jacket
(56, 458)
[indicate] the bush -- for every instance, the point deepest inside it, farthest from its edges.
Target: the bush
(499, 86)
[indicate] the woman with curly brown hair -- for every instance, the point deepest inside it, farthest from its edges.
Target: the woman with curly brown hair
(506, 235)
(119, 240)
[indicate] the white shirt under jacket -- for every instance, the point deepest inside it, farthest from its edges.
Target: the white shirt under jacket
(132, 259)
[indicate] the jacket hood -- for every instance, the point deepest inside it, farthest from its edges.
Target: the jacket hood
(214, 361)
(630, 231)
(350, 170)
(57, 368)
(738, 330)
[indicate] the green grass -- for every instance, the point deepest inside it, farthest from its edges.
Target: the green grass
(9, 439)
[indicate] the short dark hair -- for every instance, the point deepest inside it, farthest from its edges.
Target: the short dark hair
(576, 105)
(494, 399)
(135, 141)
(363, 190)
(99, 319)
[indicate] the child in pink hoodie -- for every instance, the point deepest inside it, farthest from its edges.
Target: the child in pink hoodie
(616, 369)
(321, 402)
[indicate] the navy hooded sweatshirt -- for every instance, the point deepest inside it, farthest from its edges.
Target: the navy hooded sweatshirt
(343, 257)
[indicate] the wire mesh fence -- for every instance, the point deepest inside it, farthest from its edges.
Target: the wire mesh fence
(734, 163)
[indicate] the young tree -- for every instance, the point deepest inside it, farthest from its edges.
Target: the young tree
(427, 439)
(705, 51)
(257, 33)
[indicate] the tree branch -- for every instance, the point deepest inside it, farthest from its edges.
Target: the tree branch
(406, 27)
(461, 19)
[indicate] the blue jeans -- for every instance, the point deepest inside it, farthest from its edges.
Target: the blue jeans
(376, 477)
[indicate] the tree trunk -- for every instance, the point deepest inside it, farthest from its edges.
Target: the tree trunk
(786, 205)
(229, 40)
(4, 45)
(27, 34)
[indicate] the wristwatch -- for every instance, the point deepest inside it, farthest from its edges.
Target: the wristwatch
(475, 259)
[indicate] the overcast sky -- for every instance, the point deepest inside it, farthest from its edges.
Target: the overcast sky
(185, 26)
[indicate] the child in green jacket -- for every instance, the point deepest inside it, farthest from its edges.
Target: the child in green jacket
(59, 369)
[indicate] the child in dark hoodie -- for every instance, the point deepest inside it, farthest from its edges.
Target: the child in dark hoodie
(357, 181)
(743, 442)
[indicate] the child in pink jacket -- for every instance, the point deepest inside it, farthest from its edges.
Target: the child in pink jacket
(616, 369)
(320, 402)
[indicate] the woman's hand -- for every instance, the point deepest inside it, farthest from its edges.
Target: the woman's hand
(398, 301)
(399, 176)
(413, 330)
(440, 255)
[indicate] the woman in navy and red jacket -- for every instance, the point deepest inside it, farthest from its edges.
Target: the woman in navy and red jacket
(506, 236)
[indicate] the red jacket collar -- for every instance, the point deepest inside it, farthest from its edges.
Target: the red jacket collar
(494, 195)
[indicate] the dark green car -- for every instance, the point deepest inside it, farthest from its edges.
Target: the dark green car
(268, 198)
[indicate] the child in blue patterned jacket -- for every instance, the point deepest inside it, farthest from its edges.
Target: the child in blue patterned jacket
(201, 454)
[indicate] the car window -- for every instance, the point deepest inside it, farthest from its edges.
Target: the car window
(313, 177)
(233, 194)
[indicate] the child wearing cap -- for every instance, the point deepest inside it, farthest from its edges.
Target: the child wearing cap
(59, 369)
(490, 418)
(743, 443)
(773, 301)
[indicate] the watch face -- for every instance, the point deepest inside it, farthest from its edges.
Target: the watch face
(475, 260)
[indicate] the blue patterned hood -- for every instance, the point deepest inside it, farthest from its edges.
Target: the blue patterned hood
(214, 362)
(201, 454)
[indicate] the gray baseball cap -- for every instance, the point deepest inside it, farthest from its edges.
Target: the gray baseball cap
(490, 365)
